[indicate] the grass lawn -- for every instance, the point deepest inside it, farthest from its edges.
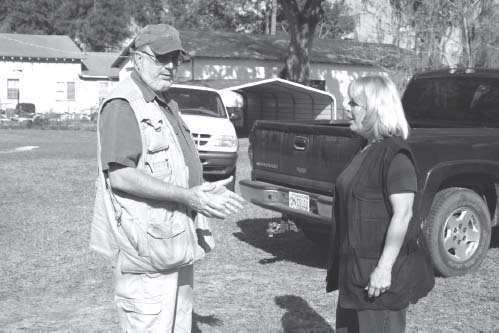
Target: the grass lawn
(50, 281)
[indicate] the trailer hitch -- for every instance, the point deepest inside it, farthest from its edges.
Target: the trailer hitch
(281, 227)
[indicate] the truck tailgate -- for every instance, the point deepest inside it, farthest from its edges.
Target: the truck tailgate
(308, 157)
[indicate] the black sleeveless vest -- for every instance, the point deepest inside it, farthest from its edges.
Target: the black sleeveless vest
(368, 213)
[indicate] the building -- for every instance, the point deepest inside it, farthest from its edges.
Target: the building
(53, 73)
(39, 69)
(236, 56)
(97, 78)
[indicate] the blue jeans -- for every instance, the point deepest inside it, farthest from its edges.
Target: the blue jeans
(375, 321)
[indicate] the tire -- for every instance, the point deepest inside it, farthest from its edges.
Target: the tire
(457, 230)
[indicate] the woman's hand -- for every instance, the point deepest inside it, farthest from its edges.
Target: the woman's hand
(379, 282)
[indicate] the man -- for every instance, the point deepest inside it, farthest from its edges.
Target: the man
(151, 198)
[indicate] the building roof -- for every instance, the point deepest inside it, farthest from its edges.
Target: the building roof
(230, 45)
(97, 65)
(38, 46)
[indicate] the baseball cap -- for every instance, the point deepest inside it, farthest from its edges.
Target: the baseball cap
(161, 38)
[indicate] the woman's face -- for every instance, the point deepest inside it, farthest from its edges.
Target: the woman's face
(355, 114)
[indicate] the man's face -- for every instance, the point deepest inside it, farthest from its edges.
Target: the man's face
(157, 71)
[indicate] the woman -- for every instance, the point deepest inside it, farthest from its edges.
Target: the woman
(378, 260)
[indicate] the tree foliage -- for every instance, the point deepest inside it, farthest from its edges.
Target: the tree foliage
(336, 22)
(470, 25)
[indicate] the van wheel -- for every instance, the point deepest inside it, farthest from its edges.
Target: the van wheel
(458, 231)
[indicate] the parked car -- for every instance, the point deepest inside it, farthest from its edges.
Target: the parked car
(27, 108)
(4, 119)
(454, 118)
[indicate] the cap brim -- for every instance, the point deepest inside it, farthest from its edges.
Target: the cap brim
(162, 47)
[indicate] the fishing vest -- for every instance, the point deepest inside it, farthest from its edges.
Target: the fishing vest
(145, 235)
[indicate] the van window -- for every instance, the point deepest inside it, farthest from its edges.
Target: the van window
(202, 102)
(474, 100)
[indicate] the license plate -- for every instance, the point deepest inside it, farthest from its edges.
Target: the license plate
(299, 201)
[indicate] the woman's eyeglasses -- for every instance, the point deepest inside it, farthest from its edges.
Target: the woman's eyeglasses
(353, 103)
(165, 59)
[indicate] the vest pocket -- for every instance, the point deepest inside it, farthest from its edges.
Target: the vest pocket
(134, 234)
(371, 204)
(156, 138)
(169, 244)
(371, 239)
(361, 269)
(368, 236)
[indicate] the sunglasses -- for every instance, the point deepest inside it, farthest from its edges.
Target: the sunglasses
(165, 59)
(352, 104)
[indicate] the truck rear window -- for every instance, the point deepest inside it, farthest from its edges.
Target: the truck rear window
(453, 99)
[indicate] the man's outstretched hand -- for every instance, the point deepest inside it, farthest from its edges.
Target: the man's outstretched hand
(213, 199)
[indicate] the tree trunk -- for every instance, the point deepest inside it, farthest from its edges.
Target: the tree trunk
(273, 18)
(302, 17)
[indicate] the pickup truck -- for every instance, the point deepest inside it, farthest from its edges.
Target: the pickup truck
(454, 119)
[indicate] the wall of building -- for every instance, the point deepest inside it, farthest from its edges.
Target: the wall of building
(241, 69)
(92, 92)
(46, 85)
(43, 83)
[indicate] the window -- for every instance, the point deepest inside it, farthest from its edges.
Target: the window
(65, 91)
(13, 89)
(453, 99)
(71, 91)
(318, 84)
(60, 91)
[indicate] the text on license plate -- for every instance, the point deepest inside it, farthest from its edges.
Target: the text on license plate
(299, 201)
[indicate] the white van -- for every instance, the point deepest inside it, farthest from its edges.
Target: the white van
(214, 134)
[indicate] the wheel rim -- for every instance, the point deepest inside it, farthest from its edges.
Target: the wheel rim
(461, 234)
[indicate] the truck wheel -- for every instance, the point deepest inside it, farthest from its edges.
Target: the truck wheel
(458, 231)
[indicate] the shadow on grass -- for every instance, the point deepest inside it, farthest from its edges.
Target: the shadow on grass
(494, 237)
(209, 320)
(290, 246)
(299, 316)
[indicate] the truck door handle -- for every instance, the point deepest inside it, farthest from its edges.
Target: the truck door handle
(300, 143)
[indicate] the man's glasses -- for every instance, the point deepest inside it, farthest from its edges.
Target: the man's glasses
(164, 59)
(353, 103)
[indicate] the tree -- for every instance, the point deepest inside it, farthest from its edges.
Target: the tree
(302, 17)
(70, 19)
(29, 17)
(103, 31)
(470, 27)
(147, 11)
(336, 21)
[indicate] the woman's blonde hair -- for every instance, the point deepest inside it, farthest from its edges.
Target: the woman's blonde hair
(385, 116)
